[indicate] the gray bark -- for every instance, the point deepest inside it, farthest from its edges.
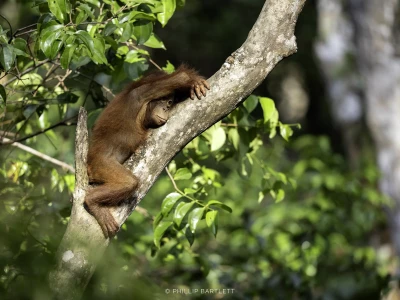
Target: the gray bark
(336, 51)
(377, 24)
(367, 30)
(271, 39)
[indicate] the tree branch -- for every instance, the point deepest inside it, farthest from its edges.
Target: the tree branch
(39, 154)
(271, 39)
(26, 72)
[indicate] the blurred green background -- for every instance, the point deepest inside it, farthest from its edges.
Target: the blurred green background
(308, 217)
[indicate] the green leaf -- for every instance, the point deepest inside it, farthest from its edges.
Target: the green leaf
(86, 39)
(7, 56)
(212, 221)
(67, 55)
(278, 196)
(246, 166)
(47, 40)
(142, 31)
(218, 139)
(55, 48)
(216, 136)
(250, 103)
(81, 17)
(181, 210)
(219, 204)
(135, 70)
(183, 174)
(159, 232)
(155, 42)
(126, 32)
(234, 137)
(29, 110)
(86, 8)
(169, 68)
(169, 202)
(285, 131)
(133, 56)
(67, 97)
(58, 8)
(99, 56)
(137, 15)
(96, 3)
(109, 29)
(194, 218)
(20, 47)
(268, 107)
(157, 220)
(189, 235)
(168, 9)
(3, 94)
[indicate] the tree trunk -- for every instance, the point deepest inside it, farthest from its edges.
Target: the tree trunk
(377, 27)
(336, 51)
(367, 30)
(271, 39)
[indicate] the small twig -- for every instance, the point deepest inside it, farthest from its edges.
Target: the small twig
(41, 155)
(88, 77)
(62, 78)
(8, 133)
(108, 90)
(137, 48)
(179, 191)
(144, 212)
(52, 69)
(23, 28)
(27, 71)
(61, 123)
(9, 25)
(229, 125)
(173, 181)
(26, 32)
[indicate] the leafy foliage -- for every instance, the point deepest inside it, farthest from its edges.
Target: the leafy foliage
(246, 205)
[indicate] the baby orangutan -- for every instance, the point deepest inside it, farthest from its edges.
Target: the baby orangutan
(124, 126)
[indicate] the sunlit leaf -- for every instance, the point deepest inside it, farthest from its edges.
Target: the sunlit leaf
(155, 42)
(7, 56)
(168, 9)
(194, 218)
(219, 204)
(250, 103)
(99, 56)
(285, 131)
(126, 32)
(169, 202)
(183, 174)
(169, 68)
(109, 29)
(181, 210)
(58, 8)
(189, 235)
(268, 107)
(160, 230)
(234, 137)
(157, 220)
(86, 39)
(142, 31)
(67, 55)
(212, 221)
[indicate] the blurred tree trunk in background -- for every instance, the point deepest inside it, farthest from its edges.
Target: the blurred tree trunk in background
(336, 51)
(360, 40)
